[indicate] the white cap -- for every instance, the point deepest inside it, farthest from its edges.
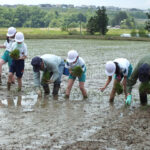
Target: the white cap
(11, 31)
(19, 37)
(72, 55)
(110, 68)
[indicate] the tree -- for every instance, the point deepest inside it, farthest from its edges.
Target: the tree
(147, 27)
(128, 23)
(81, 18)
(22, 13)
(91, 26)
(118, 18)
(99, 22)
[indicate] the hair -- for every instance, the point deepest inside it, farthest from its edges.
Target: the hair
(7, 38)
(117, 72)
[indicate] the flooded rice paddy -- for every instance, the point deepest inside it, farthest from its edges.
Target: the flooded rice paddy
(30, 123)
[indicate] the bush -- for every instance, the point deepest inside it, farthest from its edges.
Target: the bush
(77, 71)
(15, 54)
(142, 33)
(64, 28)
(73, 32)
(133, 33)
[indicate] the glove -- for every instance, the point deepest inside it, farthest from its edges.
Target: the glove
(128, 100)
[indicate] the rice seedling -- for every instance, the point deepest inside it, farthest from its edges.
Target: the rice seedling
(77, 71)
(15, 54)
(118, 88)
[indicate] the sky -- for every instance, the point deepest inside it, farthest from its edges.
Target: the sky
(140, 4)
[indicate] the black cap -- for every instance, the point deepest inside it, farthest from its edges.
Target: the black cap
(144, 72)
(36, 63)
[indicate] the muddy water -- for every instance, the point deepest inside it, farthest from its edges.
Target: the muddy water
(28, 122)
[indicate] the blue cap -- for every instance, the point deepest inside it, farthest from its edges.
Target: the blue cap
(144, 72)
(36, 63)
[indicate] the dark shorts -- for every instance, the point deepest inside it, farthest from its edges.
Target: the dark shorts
(17, 67)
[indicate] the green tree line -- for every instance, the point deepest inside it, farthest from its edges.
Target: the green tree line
(38, 17)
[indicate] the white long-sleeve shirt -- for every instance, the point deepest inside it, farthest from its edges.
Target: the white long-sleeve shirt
(51, 63)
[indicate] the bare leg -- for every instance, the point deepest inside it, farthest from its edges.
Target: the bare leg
(113, 92)
(82, 88)
(10, 75)
(1, 64)
(19, 84)
(125, 91)
(69, 87)
(13, 79)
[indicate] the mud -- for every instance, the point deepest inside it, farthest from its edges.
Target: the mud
(30, 123)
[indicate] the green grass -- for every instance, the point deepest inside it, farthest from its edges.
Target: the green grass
(117, 32)
(56, 33)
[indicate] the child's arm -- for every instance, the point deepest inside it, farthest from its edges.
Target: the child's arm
(25, 53)
(23, 57)
(107, 83)
(2, 46)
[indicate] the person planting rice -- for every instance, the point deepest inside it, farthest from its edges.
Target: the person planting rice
(141, 72)
(77, 68)
(121, 69)
(52, 67)
(7, 45)
(18, 54)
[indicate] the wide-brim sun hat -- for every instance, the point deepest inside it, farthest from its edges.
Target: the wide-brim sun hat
(72, 56)
(110, 68)
(19, 37)
(11, 31)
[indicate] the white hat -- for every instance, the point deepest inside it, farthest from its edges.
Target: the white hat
(110, 68)
(11, 31)
(19, 37)
(72, 55)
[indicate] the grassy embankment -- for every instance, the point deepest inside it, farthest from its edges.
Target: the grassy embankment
(49, 33)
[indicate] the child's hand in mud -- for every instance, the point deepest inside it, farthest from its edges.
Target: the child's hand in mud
(49, 81)
(102, 89)
(39, 92)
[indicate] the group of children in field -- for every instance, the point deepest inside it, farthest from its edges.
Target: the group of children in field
(15, 40)
(53, 67)
(48, 63)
